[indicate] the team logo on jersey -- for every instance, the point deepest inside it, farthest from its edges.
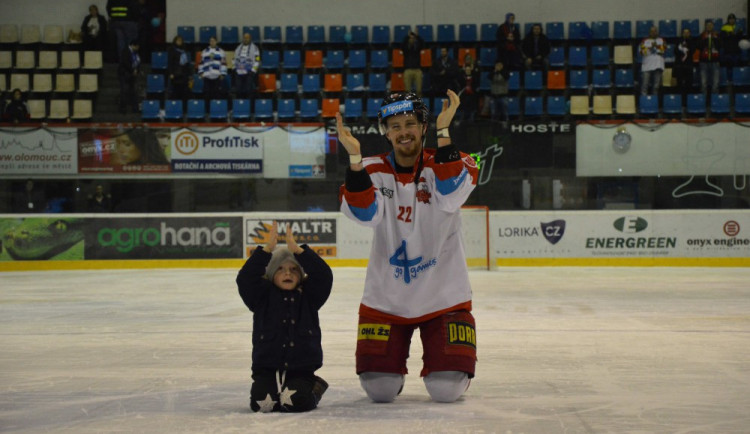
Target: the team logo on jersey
(408, 268)
(423, 192)
(462, 333)
(374, 332)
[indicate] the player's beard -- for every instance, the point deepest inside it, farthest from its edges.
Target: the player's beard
(410, 150)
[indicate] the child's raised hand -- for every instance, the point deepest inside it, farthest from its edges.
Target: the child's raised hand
(291, 243)
(273, 237)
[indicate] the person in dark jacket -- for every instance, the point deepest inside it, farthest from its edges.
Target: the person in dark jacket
(412, 47)
(509, 43)
(16, 110)
(684, 63)
(94, 30)
(127, 72)
(285, 288)
(179, 69)
(535, 49)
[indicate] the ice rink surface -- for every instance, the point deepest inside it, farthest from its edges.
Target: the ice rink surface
(561, 350)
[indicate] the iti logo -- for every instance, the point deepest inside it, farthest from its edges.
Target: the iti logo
(553, 231)
(186, 143)
(630, 224)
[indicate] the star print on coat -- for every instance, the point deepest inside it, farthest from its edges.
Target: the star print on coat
(286, 396)
(266, 406)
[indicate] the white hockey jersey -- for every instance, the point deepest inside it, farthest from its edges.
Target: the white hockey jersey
(417, 267)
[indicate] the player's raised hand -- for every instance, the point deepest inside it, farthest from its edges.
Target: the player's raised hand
(291, 243)
(450, 106)
(346, 138)
(273, 237)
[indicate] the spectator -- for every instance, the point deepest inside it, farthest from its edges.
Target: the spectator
(100, 202)
(730, 36)
(16, 110)
(285, 287)
(508, 43)
(30, 199)
(535, 49)
(708, 45)
(179, 69)
(94, 30)
(412, 47)
(444, 74)
(499, 93)
(684, 63)
(213, 69)
(147, 21)
(123, 22)
(469, 81)
(652, 51)
(127, 72)
(246, 64)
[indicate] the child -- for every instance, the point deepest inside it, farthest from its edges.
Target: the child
(285, 288)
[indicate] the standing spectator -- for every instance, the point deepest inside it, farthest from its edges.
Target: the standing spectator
(730, 36)
(509, 43)
(469, 81)
(123, 22)
(652, 51)
(684, 63)
(16, 110)
(213, 69)
(416, 276)
(412, 47)
(94, 30)
(30, 199)
(99, 201)
(127, 72)
(535, 49)
(499, 93)
(246, 64)
(179, 69)
(444, 73)
(709, 44)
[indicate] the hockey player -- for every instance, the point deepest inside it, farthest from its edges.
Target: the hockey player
(286, 330)
(417, 274)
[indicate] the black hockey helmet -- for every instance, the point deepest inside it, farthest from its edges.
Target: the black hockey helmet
(397, 103)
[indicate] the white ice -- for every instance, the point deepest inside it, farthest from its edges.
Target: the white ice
(561, 350)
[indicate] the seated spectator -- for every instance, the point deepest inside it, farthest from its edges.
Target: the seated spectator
(16, 110)
(535, 49)
(508, 43)
(94, 30)
(444, 74)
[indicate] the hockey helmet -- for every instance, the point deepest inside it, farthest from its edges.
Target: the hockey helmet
(400, 103)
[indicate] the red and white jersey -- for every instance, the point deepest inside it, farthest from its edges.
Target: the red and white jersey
(417, 268)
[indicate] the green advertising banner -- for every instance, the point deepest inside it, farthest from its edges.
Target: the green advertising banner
(40, 239)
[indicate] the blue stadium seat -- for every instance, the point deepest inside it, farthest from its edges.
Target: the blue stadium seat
(263, 109)
(741, 76)
(624, 78)
(308, 108)
(446, 33)
(600, 55)
(722, 76)
(286, 109)
(230, 35)
(355, 82)
(377, 81)
(556, 56)
(336, 34)
(373, 107)
(692, 24)
(533, 106)
(648, 104)
(532, 80)
(269, 59)
(292, 59)
(158, 60)
(197, 84)
(310, 83)
(696, 104)
(293, 35)
(400, 31)
(240, 109)
(271, 34)
(488, 56)
(488, 32)
(672, 104)
(601, 78)
(334, 59)
(577, 57)
(557, 106)
(218, 109)
(205, 33)
(357, 59)
(623, 29)
(642, 28)
(150, 109)
(155, 83)
(187, 33)
(360, 35)
(485, 82)
(467, 33)
(196, 109)
(555, 31)
(316, 35)
(668, 29)
(514, 106)
(289, 83)
(381, 35)
(425, 32)
(254, 32)
(578, 31)
(669, 56)
(353, 108)
(514, 81)
(578, 79)
(742, 103)
(173, 110)
(379, 59)
(720, 103)
(600, 30)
